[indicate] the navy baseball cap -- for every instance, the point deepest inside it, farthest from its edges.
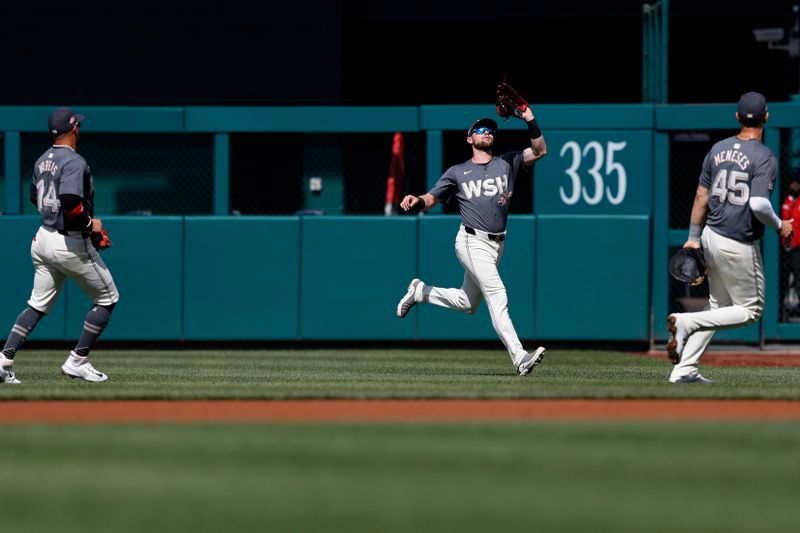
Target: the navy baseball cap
(752, 105)
(481, 122)
(63, 120)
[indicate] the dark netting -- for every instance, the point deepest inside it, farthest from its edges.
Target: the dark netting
(2, 173)
(147, 174)
(687, 149)
(265, 173)
(789, 171)
(333, 174)
(366, 164)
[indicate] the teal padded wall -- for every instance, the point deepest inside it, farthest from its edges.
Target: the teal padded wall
(439, 266)
(354, 270)
(146, 261)
(16, 271)
(593, 274)
(242, 278)
(340, 278)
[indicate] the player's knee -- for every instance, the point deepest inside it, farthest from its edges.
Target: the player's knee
(755, 310)
(108, 307)
(471, 307)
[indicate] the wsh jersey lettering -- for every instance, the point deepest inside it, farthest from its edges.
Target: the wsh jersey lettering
(487, 187)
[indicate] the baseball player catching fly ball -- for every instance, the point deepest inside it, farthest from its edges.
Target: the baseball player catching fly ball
(66, 245)
(483, 187)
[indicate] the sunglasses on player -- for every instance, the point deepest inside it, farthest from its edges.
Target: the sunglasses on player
(483, 131)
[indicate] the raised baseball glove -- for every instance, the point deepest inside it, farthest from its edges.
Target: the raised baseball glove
(688, 265)
(508, 101)
(100, 240)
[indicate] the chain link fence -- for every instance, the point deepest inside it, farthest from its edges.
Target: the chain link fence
(270, 173)
(2, 173)
(789, 171)
(275, 173)
(139, 174)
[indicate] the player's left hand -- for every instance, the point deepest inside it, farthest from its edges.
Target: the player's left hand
(787, 231)
(409, 201)
(508, 102)
(100, 240)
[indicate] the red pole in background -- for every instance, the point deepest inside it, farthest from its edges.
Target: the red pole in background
(397, 172)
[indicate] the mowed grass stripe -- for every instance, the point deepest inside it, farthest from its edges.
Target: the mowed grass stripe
(364, 373)
(465, 477)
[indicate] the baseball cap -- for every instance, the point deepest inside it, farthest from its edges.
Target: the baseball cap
(752, 105)
(62, 120)
(489, 123)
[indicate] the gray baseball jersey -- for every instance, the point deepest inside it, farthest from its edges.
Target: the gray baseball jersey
(483, 191)
(60, 170)
(734, 171)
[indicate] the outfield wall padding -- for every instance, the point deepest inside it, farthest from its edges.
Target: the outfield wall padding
(210, 278)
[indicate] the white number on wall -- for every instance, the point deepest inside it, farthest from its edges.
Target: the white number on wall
(603, 168)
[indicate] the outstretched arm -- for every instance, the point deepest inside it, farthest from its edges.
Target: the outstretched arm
(538, 147)
(508, 102)
(416, 204)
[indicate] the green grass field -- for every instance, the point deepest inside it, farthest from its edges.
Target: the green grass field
(387, 477)
(383, 374)
(725, 477)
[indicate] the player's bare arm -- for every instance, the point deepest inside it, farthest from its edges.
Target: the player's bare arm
(416, 204)
(538, 147)
(698, 218)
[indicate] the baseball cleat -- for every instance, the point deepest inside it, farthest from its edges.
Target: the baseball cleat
(79, 367)
(410, 299)
(677, 338)
(692, 377)
(7, 375)
(530, 360)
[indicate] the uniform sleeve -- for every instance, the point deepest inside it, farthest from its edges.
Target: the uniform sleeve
(445, 187)
(72, 177)
(762, 178)
(513, 158)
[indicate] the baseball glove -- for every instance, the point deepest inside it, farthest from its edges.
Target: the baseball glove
(508, 102)
(688, 265)
(100, 240)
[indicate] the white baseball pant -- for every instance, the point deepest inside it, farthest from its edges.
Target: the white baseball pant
(736, 295)
(480, 257)
(56, 257)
